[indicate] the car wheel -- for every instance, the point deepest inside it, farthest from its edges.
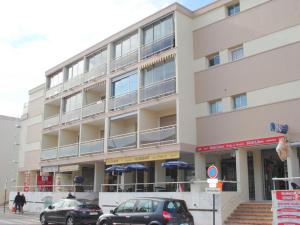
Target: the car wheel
(43, 219)
(70, 221)
(104, 223)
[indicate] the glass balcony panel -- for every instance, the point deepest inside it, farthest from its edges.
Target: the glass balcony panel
(116, 103)
(71, 116)
(130, 58)
(94, 146)
(49, 153)
(54, 91)
(51, 121)
(160, 135)
(93, 109)
(122, 141)
(75, 81)
(97, 71)
(68, 150)
(159, 89)
(158, 46)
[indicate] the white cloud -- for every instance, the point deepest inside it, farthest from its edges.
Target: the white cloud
(35, 35)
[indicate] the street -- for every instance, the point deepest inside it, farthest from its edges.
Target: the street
(15, 219)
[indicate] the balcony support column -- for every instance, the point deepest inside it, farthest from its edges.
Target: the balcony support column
(99, 176)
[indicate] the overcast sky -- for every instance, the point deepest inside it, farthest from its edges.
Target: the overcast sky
(36, 35)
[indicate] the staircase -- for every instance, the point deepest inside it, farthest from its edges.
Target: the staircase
(254, 213)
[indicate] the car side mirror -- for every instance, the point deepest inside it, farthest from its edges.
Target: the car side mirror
(112, 211)
(50, 207)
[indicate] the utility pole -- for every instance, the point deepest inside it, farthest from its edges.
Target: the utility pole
(5, 190)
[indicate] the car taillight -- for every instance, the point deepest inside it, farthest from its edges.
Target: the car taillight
(166, 215)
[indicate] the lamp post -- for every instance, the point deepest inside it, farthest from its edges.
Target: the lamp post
(5, 190)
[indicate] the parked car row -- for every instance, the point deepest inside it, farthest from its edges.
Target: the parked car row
(148, 211)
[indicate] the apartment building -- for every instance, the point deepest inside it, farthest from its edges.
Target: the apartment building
(200, 86)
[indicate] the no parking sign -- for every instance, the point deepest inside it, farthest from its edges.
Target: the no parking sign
(212, 173)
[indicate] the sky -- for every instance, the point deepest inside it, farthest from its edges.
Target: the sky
(36, 35)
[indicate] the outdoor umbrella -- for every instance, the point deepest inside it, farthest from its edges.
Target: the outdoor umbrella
(136, 167)
(177, 164)
(116, 169)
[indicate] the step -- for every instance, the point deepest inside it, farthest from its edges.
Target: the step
(252, 222)
(253, 210)
(269, 218)
(257, 214)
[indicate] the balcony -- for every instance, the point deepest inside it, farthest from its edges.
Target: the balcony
(91, 147)
(51, 121)
(130, 58)
(158, 136)
(159, 89)
(93, 109)
(122, 141)
(158, 46)
(71, 116)
(54, 91)
(122, 101)
(49, 153)
(73, 82)
(68, 150)
(95, 72)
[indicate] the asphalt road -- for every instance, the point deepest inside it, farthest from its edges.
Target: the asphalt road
(26, 218)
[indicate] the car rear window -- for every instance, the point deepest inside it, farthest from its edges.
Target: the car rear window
(87, 204)
(175, 206)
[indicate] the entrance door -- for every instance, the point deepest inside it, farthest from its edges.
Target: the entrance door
(273, 167)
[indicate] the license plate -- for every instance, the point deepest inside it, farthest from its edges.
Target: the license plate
(93, 213)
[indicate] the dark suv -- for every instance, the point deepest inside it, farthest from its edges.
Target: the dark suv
(150, 211)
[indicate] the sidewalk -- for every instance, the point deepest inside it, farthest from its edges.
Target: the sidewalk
(7, 211)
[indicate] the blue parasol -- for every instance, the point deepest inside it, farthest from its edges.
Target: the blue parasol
(136, 167)
(116, 169)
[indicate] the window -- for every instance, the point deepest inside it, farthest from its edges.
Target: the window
(216, 106)
(125, 84)
(126, 207)
(237, 53)
(240, 101)
(175, 206)
(159, 30)
(213, 60)
(73, 102)
(233, 9)
(125, 46)
(96, 60)
(58, 204)
(145, 206)
(75, 69)
(159, 72)
(55, 79)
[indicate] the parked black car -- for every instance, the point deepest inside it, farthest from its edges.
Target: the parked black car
(150, 211)
(71, 212)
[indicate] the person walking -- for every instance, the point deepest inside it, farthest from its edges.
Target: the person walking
(23, 202)
(17, 202)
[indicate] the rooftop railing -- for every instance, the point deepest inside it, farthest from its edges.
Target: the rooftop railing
(159, 89)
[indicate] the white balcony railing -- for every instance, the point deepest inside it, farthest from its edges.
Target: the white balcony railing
(54, 91)
(158, 136)
(122, 101)
(94, 146)
(158, 46)
(75, 81)
(93, 109)
(122, 141)
(68, 150)
(97, 71)
(165, 87)
(51, 121)
(71, 116)
(128, 59)
(49, 153)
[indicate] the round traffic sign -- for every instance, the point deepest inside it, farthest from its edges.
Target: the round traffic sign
(212, 172)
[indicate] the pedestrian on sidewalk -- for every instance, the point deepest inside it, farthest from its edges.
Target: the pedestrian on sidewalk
(23, 202)
(17, 202)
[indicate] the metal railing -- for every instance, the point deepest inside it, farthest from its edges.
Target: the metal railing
(286, 183)
(55, 188)
(97, 71)
(165, 87)
(68, 150)
(126, 60)
(74, 81)
(119, 102)
(51, 121)
(71, 116)
(93, 146)
(158, 46)
(160, 135)
(54, 90)
(122, 141)
(49, 153)
(93, 108)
